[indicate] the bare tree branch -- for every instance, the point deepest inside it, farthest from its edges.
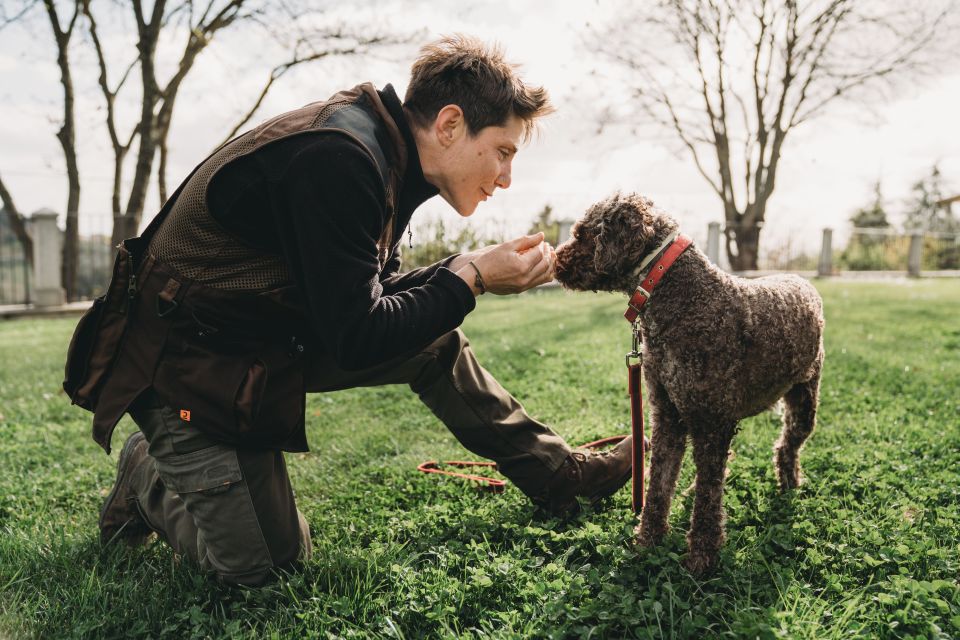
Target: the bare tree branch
(6, 21)
(802, 57)
(120, 150)
(298, 59)
(199, 22)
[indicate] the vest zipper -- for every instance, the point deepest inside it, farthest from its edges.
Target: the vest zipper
(131, 285)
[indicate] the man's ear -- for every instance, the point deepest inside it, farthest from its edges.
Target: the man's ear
(449, 125)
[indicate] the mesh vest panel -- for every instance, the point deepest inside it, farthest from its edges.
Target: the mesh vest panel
(192, 241)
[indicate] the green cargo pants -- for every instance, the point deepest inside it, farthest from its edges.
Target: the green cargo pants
(233, 511)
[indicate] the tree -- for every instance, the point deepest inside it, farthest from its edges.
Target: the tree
(66, 136)
(156, 100)
(436, 242)
(546, 224)
(925, 211)
(868, 249)
(197, 25)
(873, 216)
(732, 78)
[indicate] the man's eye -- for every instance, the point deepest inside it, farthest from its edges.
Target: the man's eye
(503, 154)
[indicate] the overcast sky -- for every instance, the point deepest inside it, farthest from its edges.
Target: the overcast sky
(828, 168)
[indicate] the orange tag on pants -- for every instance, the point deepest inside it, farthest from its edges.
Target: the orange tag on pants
(185, 415)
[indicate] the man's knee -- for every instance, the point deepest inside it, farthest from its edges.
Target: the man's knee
(449, 345)
(438, 359)
(248, 568)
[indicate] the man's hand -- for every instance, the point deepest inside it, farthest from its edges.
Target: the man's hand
(510, 267)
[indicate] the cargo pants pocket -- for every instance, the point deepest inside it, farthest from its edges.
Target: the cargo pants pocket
(229, 538)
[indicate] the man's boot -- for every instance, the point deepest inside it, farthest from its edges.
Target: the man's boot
(120, 518)
(588, 476)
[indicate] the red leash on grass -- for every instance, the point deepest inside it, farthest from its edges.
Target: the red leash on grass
(635, 391)
(636, 424)
(493, 485)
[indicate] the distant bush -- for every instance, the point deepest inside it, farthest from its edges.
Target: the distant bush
(434, 242)
(875, 253)
(941, 252)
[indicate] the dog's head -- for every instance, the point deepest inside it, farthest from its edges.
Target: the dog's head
(609, 242)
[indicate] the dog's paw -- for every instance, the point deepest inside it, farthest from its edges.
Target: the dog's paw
(790, 480)
(700, 564)
(647, 537)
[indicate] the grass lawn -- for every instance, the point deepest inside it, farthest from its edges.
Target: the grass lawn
(868, 547)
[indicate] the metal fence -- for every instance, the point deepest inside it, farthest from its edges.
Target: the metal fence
(94, 254)
(14, 271)
(789, 255)
(890, 250)
(882, 250)
(875, 250)
(940, 251)
(867, 249)
(94, 265)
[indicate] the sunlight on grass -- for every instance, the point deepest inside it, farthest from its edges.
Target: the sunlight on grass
(868, 547)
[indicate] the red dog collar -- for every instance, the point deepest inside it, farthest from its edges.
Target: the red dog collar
(650, 280)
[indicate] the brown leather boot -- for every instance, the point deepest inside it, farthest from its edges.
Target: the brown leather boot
(588, 475)
(120, 518)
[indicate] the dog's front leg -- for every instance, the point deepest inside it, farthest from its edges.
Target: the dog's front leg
(668, 441)
(710, 446)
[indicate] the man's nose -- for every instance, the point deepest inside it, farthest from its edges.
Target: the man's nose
(503, 180)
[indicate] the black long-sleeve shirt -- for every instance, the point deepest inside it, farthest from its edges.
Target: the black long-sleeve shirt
(318, 199)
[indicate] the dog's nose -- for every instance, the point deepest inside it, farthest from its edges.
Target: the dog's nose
(560, 265)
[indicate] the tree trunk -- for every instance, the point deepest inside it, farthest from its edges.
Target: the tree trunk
(746, 237)
(149, 33)
(71, 240)
(67, 138)
(162, 170)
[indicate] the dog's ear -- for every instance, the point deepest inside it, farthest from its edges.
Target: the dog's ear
(609, 245)
(619, 243)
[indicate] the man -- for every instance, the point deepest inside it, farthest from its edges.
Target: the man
(274, 270)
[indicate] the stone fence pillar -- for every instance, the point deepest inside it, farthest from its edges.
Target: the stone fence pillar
(713, 242)
(913, 258)
(47, 256)
(825, 266)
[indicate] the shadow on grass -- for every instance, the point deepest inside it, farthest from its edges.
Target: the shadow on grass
(647, 593)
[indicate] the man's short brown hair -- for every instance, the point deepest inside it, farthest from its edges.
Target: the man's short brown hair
(464, 71)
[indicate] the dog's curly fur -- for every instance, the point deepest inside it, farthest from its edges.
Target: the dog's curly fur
(716, 349)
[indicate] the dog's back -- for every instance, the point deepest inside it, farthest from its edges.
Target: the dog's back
(732, 346)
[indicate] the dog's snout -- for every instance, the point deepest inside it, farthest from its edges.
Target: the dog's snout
(560, 265)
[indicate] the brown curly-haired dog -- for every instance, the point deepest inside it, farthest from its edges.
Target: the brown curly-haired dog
(716, 349)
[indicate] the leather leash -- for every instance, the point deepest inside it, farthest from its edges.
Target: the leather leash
(665, 255)
(635, 391)
(494, 485)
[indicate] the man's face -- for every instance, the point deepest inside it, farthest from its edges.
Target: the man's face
(472, 167)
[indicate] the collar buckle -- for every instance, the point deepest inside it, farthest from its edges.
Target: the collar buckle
(637, 300)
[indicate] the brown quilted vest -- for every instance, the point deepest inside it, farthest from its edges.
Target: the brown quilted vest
(216, 326)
